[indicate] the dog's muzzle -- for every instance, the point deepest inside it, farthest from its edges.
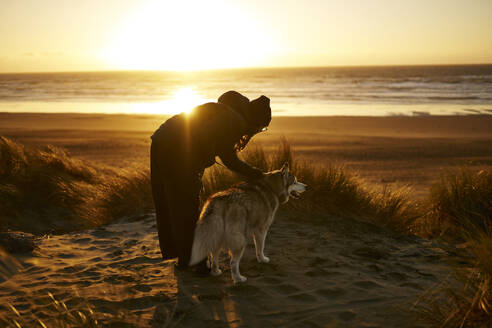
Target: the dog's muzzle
(296, 189)
(295, 194)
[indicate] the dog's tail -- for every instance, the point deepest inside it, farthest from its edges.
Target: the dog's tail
(209, 231)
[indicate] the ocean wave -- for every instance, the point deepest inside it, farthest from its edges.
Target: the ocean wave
(453, 98)
(310, 86)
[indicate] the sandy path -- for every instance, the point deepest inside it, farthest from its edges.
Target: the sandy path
(340, 273)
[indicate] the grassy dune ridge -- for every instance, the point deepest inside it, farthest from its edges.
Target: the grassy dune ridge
(45, 190)
(338, 191)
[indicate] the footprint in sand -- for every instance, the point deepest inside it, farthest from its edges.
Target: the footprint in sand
(316, 272)
(270, 280)
(303, 297)
(367, 284)
(346, 315)
(286, 289)
(331, 293)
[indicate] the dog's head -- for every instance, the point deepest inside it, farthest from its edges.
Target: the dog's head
(285, 184)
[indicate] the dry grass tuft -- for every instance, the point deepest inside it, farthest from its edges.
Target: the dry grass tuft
(46, 190)
(461, 212)
(333, 189)
(461, 204)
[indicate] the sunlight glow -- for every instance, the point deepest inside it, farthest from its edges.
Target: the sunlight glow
(189, 35)
(183, 100)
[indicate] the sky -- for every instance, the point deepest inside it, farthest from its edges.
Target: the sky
(66, 35)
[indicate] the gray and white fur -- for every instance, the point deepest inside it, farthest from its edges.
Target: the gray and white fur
(229, 216)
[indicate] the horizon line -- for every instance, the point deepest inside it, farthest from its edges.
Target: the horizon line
(245, 68)
(411, 115)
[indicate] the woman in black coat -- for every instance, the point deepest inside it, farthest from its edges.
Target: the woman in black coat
(183, 147)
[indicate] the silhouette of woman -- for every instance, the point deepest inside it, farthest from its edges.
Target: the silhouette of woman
(183, 146)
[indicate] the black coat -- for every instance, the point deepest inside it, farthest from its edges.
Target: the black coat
(210, 130)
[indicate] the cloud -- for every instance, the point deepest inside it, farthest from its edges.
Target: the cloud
(43, 54)
(52, 53)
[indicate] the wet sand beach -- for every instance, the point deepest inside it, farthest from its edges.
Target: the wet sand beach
(392, 151)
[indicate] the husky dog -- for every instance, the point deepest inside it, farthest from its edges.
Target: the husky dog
(229, 216)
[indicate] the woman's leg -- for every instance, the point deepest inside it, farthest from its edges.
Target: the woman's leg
(184, 208)
(176, 190)
(161, 203)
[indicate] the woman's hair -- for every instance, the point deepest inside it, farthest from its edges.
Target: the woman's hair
(242, 142)
(257, 113)
(235, 100)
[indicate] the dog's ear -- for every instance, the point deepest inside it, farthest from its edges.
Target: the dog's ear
(285, 168)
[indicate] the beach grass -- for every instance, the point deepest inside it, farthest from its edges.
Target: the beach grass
(461, 213)
(45, 190)
(333, 188)
(461, 204)
(47, 183)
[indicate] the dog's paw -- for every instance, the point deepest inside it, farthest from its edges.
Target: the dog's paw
(239, 279)
(216, 272)
(264, 259)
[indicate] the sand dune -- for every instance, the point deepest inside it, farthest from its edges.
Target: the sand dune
(336, 272)
(342, 272)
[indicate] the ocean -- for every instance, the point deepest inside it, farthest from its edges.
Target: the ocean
(348, 91)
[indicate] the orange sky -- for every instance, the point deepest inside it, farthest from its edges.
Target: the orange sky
(64, 35)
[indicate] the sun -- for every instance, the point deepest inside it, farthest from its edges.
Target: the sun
(189, 35)
(183, 100)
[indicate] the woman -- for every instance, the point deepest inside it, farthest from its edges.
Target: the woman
(183, 147)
